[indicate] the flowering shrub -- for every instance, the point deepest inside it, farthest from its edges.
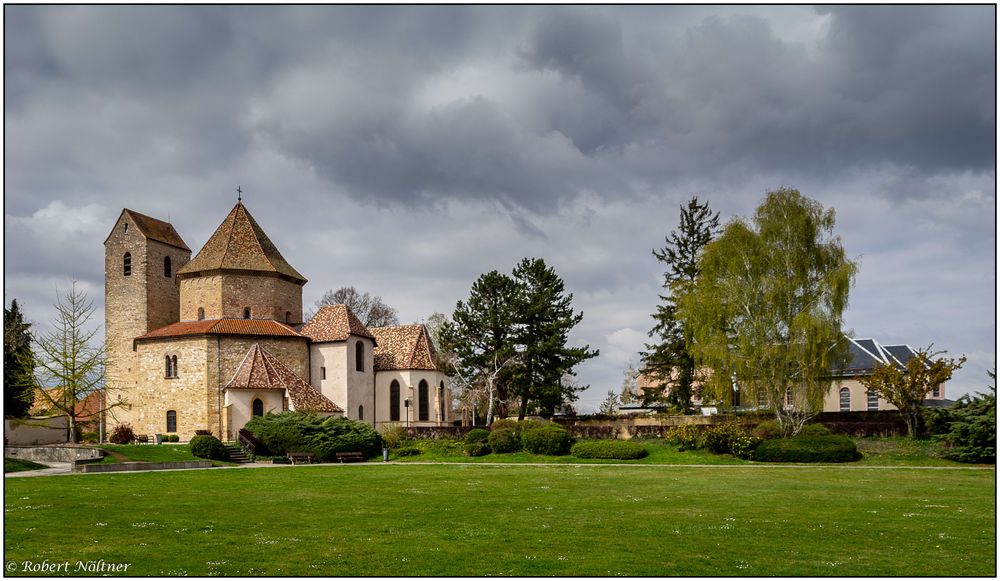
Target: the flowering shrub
(718, 439)
(743, 446)
(685, 436)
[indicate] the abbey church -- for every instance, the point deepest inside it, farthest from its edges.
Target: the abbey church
(207, 343)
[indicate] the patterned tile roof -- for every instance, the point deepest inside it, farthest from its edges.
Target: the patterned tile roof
(334, 323)
(403, 347)
(264, 327)
(239, 243)
(155, 229)
(262, 370)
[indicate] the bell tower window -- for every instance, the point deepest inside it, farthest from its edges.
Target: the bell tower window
(246, 312)
(167, 270)
(201, 313)
(127, 264)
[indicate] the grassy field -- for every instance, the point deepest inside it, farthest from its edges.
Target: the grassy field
(147, 453)
(445, 519)
(19, 465)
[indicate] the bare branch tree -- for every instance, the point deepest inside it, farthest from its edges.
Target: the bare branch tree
(371, 310)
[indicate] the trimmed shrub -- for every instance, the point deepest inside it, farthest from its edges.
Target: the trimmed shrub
(550, 440)
(122, 434)
(609, 449)
(519, 427)
(477, 449)
(768, 430)
(504, 441)
(409, 452)
(504, 424)
(477, 436)
(814, 430)
(808, 449)
(322, 436)
(175, 438)
(208, 447)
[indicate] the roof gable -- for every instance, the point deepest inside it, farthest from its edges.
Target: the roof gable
(403, 347)
(239, 243)
(334, 323)
(262, 370)
(153, 229)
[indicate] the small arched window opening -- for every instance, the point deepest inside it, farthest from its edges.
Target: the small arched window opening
(394, 401)
(845, 399)
(168, 368)
(246, 312)
(171, 421)
(361, 412)
(201, 313)
(258, 407)
(127, 264)
(359, 356)
(167, 270)
(288, 316)
(173, 363)
(125, 228)
(423, 402)
(872, 400)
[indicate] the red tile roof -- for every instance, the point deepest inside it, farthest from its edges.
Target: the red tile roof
(155, 229)
(239, 243)
(265, 327)
(334, 323)
(262, 370)
(403, 347)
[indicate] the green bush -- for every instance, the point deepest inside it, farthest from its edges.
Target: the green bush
(477, 436)
(504, 424)
(550, 440)
(122, 434)
(322, 436)
(504, 441)
(477, 449)
(808, 449)
(971, 430)
(409, 452)
(89, 437)
(814, 430)
(519, 427)
(175, 438)
(684, 437)
(208, 447)
(609, 449)
(768, 430)
(718, 438)
(394, 436)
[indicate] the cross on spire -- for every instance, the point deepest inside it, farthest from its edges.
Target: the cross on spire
(239, 194)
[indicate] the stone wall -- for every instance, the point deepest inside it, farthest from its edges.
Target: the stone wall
(162, 295)
(53, 453)
(225, 295)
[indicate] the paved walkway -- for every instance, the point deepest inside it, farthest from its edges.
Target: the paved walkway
(64, 468)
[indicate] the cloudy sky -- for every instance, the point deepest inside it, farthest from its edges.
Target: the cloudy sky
(406, 150)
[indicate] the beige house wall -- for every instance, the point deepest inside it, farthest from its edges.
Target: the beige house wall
(344, 384)
(239, 406)
(409, 383)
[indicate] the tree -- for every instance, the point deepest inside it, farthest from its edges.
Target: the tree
(972, 427)
(628, 394)
(767, 307)
(482, 336)
(544, 317)
(69, 365)
(669, 361)
(370, 310)
(609, 407)
(907, 389)
(18, 363)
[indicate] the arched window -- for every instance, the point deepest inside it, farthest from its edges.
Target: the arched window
(173, 361)
(361, 412)
(127, 264)
(423, 403)
(359, 356)
(125, 228)
(872, 400)
(845, 399)
(246, 312)
(166, 267)
(258, 407)
(171, 421)
(167, 370)
(394, 401)
(288, 316)
(201, 313)
(441, 407)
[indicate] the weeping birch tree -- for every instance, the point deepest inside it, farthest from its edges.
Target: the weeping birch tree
(766, 310)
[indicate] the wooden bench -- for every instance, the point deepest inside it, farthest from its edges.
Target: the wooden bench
(297, 457)
(142, 439)
(350, 457)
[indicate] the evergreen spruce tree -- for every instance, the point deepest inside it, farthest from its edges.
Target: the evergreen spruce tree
(668, 361)
(545, 316)
(18, 363)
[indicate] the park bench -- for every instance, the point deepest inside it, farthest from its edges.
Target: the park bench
(142, 439)
(297, 457)
(350, 457)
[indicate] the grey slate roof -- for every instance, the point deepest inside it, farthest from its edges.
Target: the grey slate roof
(865, 354)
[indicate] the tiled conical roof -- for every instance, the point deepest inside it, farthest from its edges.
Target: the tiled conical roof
(239, 243)
(334, 323)
(403, 347)
(262, 370)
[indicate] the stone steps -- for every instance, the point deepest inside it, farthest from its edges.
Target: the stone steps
(236, 454)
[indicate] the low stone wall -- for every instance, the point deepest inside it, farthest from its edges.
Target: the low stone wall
(134, 466)
(35, 431)
(439, 431)
(53, 453)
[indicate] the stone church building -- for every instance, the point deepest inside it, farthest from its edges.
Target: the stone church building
(206, 343)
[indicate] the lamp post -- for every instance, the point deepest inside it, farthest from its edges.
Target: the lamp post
(406, 404)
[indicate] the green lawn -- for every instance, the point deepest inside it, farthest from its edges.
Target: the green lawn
(147, 453)
(466, 520)
(19, 465)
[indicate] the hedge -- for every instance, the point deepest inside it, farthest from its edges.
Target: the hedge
(504, 440)
(477, 435)
(208, 447)
(808, 449)
(549, 440)
(322, 436)
(610, 450)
